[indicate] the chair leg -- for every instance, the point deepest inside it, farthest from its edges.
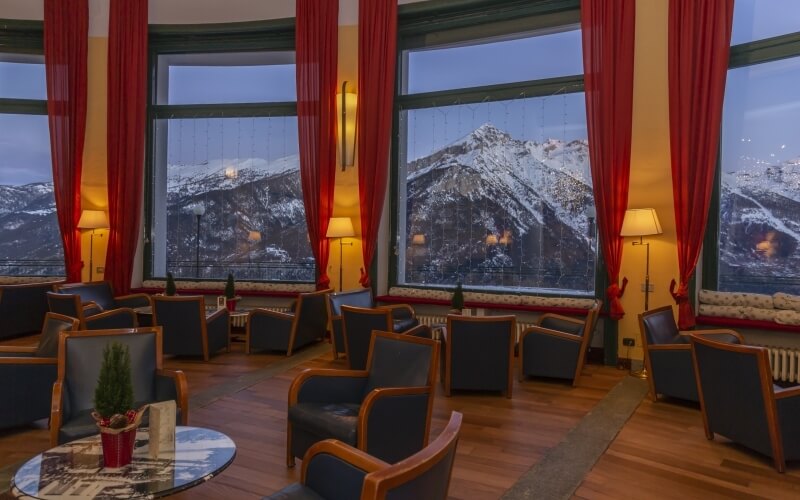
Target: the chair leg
(289, 454)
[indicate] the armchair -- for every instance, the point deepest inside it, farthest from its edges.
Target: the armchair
(740, 402)
(277, 331)
(90, 316)
(384, 410)
(101, 293)
(188, 331)
(28, 297)
(403, 316)
(333, 470)
(479, 353)
(557, 346)
(28, 374)
(80, 356)
(668, 356)
(358, 324)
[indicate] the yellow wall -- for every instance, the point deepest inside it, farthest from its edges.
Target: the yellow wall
(93, 182)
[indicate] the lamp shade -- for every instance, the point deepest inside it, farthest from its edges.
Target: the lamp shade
(346, 112)
(640, 222)
(340, 227)
(93, 219)
(418, 239)
(254, 236)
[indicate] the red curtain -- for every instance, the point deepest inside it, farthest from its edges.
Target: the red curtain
(66, 34)
(608, 37)
(317, 28)
(377, 52)
(127, 101)
(699, 41)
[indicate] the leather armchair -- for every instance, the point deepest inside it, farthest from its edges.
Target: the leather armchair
(89, 315)
(188, 331)
(28, 297)
(28, 374)
(556, 347)
(358, 324)
(667, 353)
(80, 356)
(739, 400)
(479, 353)
(403, 315)
(278, 331)
(101, 293)
(333, 470)
(384, 410)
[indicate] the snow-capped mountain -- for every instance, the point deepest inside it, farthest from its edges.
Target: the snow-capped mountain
(29, 229)
(535, 194)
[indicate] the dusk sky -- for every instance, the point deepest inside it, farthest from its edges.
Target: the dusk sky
(766, 112)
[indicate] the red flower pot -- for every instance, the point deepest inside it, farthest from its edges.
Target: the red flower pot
(118, 448)
(231, 304)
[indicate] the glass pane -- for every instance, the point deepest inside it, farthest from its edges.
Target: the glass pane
(506, 61)
(759, 19)
(23, 80)
(228, 78)
(498, 195)
(242, 176)
(30, 242)
(760, 195)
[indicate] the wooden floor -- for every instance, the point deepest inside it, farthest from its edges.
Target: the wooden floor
(660, 453)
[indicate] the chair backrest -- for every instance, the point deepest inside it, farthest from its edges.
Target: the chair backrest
(123, 317)
(480, 351)
(426, 474)
(658, 327)
(54, 324)
(99, 292)
(397, 360)
(183, 319)
(355, 298)
(80, 356)
(311, 318)
(736, 391)
(66, 304)
(28, 297)
(358, 324)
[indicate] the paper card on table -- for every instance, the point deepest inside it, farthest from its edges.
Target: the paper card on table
(221, 300)
(162, 428)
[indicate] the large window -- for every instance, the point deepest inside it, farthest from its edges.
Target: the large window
(30, 242)
(759, 194)
(493, 184)
(225, 191)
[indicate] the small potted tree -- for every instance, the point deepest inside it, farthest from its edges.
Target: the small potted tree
(170, 289)
(457, 302)
(113, 406)
(230, 293)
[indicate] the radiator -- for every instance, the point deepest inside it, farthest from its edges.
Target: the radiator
(239, 318)
(439, 320)
(785, 363)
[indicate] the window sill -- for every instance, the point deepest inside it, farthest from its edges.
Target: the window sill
(746, 323)
(243, 288)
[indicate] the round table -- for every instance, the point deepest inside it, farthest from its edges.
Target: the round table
(75, 469)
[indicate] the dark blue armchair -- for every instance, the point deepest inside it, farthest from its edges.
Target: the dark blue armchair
(739, 400)
(384, 410)
(28, 374)
(189, 330)
(279, 331)
(89, 315)
(333, 470)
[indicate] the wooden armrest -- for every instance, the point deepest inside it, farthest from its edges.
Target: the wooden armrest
(90, 303)
(133, 296)
(400, 306)
(27, 360)
(717, 331)
(670, 347)
(387, 392)
(55, 414)
(561, 318)
(182, 389)
(553, 333)
(352, 456)
(274, 314)
(787, 392)
(308, 373)
(18, 349)
(217, 314)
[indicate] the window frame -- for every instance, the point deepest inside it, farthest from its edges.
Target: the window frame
(746, 54)
(418, 26)
(250, 36)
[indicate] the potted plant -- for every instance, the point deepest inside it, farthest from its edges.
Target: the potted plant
(170, 289)
(113, 406)
(230, 293)
(457, 302)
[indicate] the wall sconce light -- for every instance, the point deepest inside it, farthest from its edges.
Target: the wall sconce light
(418, 239)
(346, 107)
(92, 219)
(253, 236)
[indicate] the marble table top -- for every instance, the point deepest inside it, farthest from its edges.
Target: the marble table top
(75, 469)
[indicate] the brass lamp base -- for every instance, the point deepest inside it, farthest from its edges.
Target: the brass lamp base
(641, 374)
